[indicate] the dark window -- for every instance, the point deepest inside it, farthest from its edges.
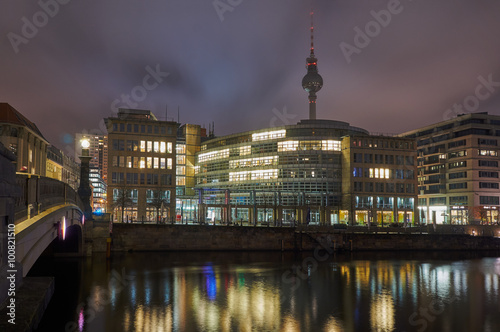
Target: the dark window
(488, 185)
(458, 200)
(488, 163)
(484, 174)
(457, 175)
(437, 201)
(457, 143)
(460, 185)
(485, 141)
(488, 200)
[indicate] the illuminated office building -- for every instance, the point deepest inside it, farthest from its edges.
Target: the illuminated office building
(189, 138)
(284, 173)
(379, 184)
(458, 170)
(141, 166)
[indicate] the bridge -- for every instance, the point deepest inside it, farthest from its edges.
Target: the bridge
(44, 210)
(34, 210)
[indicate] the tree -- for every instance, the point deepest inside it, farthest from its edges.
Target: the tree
(159, 200)
(123, 199)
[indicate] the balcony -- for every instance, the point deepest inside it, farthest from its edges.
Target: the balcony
(431, 151)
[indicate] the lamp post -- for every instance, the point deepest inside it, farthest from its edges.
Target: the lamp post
(84, 189)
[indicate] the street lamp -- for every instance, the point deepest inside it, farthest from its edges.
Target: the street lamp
(84, 189)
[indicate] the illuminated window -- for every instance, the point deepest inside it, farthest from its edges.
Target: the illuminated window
(288, 146)
(245, 150)
(180, 170)
(330, 145)
(181, 160)
(268, 174)
(149, 162)
(269, 135)
(180, 181)
(371, 172)
(180, 149)
(169, 163)
(310, 145)
(156, 163)
(196, 169)
(162, 163)
(129, 162)
(491, 153)
(149, 146)
(156, 147)
(214, 155)
(253, 162)
(143, 162)
(163, 147)
(169, 147)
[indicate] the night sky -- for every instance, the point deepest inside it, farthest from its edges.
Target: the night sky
(241, 65)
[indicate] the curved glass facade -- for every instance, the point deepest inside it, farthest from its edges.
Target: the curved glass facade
(290, 166)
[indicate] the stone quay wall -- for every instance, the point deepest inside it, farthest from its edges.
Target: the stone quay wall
(138, 237)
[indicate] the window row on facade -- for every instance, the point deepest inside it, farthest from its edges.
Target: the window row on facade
(390, 159)
(381, 187)
(383, 173)
(457, 200)
(141, 146)
(382, 143)
(383, 202)
(142, 162)
(151, 194)
(141, 178)
(141, 128)
(283, 146)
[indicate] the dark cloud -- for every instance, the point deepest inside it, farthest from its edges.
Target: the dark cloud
(236, 71)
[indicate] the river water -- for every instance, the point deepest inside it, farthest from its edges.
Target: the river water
(271, 291)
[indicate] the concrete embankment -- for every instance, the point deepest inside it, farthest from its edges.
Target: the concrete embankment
(31, 300)
(130, 237)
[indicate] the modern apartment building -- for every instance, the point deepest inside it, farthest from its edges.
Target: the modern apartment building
(379, 182)
(141, 166)
(458, 174)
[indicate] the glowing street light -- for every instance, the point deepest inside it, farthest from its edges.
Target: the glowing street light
(85, 143)
(84, 190)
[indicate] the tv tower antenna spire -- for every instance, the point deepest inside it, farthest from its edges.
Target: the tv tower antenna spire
(312, 82)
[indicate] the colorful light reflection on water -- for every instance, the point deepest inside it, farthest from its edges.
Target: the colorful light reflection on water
(342, 294)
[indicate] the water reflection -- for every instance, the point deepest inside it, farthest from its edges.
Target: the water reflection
(345, 293)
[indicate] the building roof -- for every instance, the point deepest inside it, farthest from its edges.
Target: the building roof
(9, 114)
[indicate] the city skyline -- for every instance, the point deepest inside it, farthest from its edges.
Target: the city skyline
(217, 60)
